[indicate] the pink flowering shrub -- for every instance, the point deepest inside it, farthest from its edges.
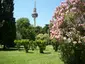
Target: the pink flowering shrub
(68, 27)
(70, 12)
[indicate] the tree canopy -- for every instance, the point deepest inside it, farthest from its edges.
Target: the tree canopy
(25, 29)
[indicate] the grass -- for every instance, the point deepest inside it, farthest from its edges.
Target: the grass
(33, 57)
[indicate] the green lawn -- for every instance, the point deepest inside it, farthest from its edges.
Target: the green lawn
(33, 57)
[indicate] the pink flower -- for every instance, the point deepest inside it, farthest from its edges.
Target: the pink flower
(64, 4)
(65, 8)
(71, 1)
(73, 9)
(84, 3)
(81, 24)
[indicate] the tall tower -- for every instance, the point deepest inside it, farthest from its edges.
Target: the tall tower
(35, 14)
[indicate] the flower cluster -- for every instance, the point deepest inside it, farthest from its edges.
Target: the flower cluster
(74, 6)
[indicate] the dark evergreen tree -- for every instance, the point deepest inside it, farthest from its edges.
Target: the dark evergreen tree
(38, 30)
(7, 30)
(46, 28)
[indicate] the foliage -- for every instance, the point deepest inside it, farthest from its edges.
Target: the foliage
(18, 35)
(55, 44)
(22, 22)
(23, 42)
(72, 53)
(68, 15)
(21, 26)
(39, 36)
(68, 24)
(7, 23)
(42, 45)
(42, 40)
(28, 44)
(18, 43)
(46, 29)
(38, 30)
(25, 29)
(42, 37)
(32, 44)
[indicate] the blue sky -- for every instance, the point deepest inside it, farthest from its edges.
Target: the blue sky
(45, 9)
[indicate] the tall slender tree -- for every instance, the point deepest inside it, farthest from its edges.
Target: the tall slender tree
(7, 30)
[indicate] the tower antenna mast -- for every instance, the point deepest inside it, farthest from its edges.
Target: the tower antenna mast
(35, 14)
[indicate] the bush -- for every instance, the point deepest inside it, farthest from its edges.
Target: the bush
(32, 44)
(24, 42)
(42, 41)
(42, 45)
(72, 53)
(18, 43)
(55, 44)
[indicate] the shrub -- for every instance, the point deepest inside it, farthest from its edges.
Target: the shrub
(24, 42)
(42, 45)
(32, 44)
(18, 43)
(42, 41)
(69, 21)
(55, 44)
(72, 53)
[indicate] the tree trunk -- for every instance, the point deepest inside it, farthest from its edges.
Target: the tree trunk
(4, 47)
(41, 50)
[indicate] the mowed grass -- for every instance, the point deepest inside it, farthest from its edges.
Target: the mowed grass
(33, 57)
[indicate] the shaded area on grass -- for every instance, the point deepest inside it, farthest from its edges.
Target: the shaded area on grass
(47, 53)
(10, 49)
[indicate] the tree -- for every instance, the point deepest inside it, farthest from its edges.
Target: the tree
(7, 22)
(46, 28)
(25, 29)
(38, 30)
(18, 35)
(22, 22)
